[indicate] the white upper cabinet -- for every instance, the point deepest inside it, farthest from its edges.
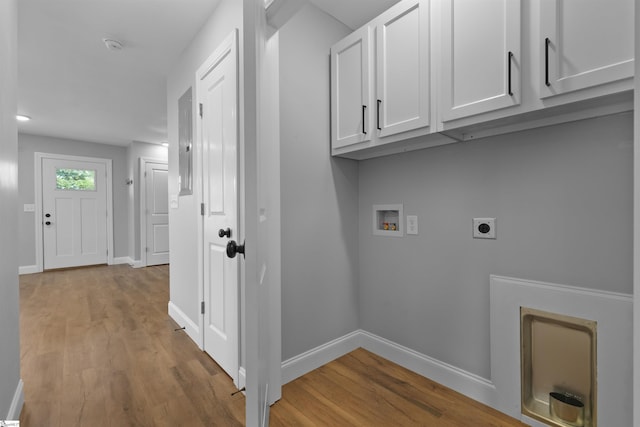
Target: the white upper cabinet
(382, 101)
(430, 72)
(402, 68)
(584, 43)
(481, 57)
(350, 89)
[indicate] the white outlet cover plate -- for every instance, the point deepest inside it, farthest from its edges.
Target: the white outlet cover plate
(477, 222)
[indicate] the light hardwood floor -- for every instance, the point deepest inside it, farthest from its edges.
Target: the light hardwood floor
(98, 349)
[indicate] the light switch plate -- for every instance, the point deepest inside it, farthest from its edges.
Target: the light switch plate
(484, 228)
(174, 201)
(412, 224)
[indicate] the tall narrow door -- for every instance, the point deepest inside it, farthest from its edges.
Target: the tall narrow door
(156, 213)
(218, 118)
(402, 90)
(350, 91)
(74, 209)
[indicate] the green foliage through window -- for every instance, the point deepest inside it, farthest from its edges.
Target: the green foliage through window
(75, 179)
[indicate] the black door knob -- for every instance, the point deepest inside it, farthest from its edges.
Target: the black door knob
(223, 232)
(48, 215)
(47, 223)
(233, 248)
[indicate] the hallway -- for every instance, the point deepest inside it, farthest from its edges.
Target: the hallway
(98, 349)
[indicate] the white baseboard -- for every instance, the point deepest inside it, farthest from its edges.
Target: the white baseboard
(16, 403)
(31, 269)
(191, 328)
(28, 269)
(128, 260)
(471, 385)
(306, 362)
(464, 382)
(242, 378)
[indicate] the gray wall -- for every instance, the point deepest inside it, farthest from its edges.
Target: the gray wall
(318, 193)
(562, 197)
(9, 306)
(136, 151)
(183, 231)
(30, 144)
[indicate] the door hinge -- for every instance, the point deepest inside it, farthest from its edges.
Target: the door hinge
(146, 249)
(202, 307)
(145, 174)
(201, 110)
(202, 209)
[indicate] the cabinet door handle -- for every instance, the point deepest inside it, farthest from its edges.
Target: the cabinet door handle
(509, 60)
(379, 102)
(364, 110)
(547, 42)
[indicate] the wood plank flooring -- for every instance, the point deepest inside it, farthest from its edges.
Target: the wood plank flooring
(98, 349)
(362, 389)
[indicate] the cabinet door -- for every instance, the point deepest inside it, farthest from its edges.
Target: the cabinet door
(350, 92)
(584, 43)
(481, 58)
(402, 72)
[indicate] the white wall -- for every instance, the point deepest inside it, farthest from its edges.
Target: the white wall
(318, 193)
(562, 197)
(183, 230)
(10, 383)
(30, 144)
(136, 151)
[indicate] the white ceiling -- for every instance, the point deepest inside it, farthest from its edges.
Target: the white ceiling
(74, 88)
(354, 13)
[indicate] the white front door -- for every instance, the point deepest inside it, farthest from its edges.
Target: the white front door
(74, 210)
(156, 213)
(217, 96)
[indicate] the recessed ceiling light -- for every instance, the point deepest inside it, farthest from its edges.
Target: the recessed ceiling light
(165, 144)
(22, 118)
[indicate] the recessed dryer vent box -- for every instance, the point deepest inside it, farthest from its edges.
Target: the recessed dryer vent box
(387, 220)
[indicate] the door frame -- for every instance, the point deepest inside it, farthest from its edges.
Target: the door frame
(38, 158)
(142, 163)
(224, 47)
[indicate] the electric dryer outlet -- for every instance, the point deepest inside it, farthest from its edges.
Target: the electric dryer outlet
(484, 228)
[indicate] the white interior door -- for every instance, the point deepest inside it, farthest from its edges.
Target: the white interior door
(156, 213)
(218, 119)
(74, 210)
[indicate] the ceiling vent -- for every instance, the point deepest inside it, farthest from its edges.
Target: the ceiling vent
(113, 45)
